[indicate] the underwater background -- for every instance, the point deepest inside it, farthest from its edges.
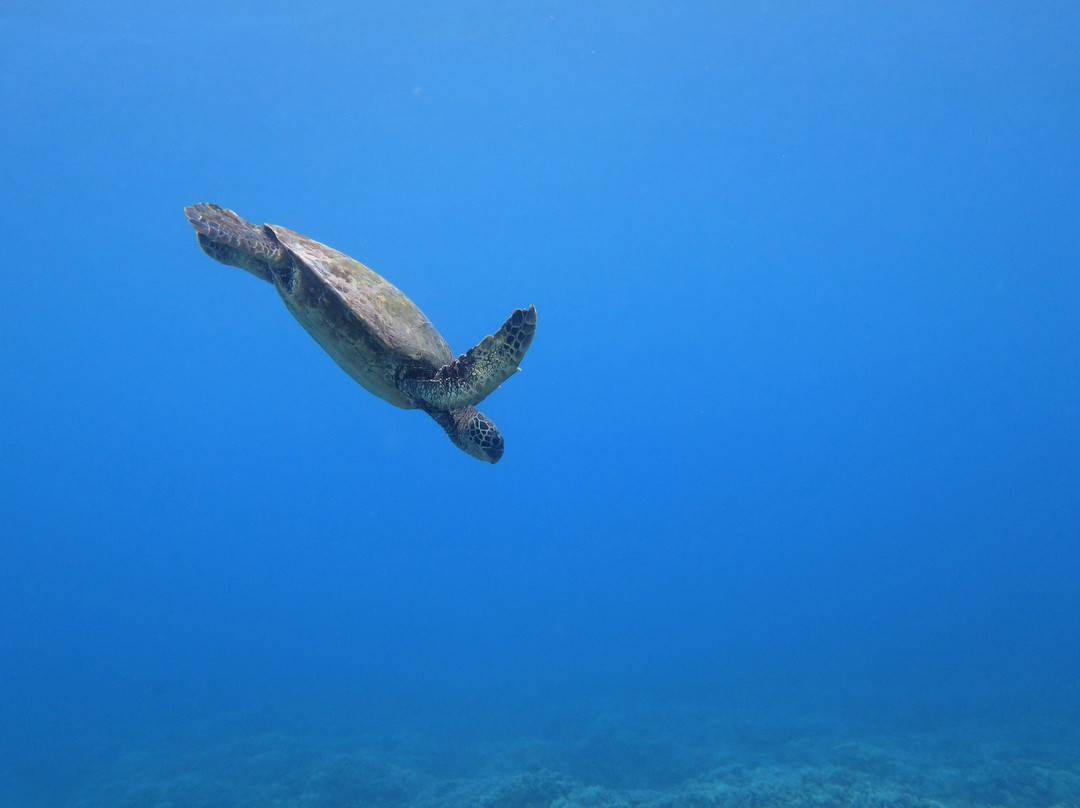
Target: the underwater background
(790, 505)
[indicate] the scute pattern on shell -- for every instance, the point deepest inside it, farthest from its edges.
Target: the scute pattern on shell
(393, 320)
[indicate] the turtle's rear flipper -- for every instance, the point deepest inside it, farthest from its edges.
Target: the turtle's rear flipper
(471, 377)
(233, 240)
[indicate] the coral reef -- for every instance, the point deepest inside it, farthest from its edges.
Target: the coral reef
(612, 763)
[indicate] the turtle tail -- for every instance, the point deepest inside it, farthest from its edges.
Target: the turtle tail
(233, 240)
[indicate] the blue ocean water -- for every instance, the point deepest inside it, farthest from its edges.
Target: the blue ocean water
(790, 506)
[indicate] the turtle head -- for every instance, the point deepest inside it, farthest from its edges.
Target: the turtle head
(472, 432)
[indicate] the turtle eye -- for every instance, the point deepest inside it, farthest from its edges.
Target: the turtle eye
(485, 438)
(491, 442)
(494, 448)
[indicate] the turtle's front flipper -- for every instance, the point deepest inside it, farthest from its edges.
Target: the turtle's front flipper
(233, 240)
(470, 378)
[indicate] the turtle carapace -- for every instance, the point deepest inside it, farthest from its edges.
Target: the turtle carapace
(371, 329)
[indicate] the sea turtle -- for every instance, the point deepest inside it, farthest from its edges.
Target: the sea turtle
(373, 331)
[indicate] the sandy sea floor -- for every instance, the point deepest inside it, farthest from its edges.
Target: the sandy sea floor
(679, 756)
